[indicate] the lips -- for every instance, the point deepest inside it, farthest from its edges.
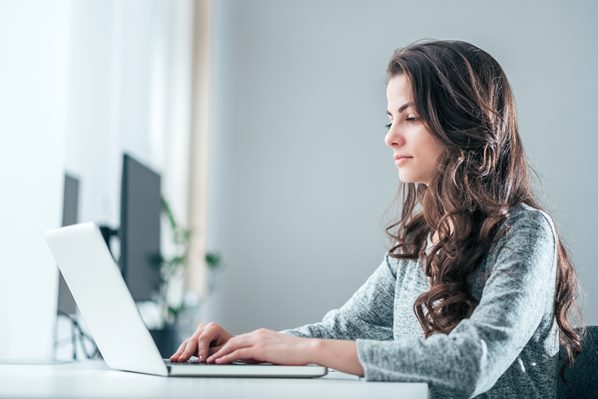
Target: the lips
(396, 157)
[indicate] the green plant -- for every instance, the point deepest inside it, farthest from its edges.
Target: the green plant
(171, 268)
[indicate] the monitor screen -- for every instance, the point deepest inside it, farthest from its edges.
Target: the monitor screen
(139, 231)
(70, 212)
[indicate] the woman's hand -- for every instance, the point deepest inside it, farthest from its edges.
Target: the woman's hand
(206, 340)
(264, 345)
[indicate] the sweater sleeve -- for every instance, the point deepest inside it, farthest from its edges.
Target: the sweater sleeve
(471, 358)
(368, 313)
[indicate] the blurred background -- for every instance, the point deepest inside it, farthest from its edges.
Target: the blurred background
(242, 142)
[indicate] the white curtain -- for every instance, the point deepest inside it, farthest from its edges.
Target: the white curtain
(131, 89)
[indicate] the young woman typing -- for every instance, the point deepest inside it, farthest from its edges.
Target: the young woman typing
(478, 290)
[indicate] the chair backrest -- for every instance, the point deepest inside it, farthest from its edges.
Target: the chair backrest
(583, 376)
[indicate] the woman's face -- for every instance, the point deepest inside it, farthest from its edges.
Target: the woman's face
(415, 150)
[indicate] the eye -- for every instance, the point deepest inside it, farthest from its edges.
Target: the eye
(411, 119)
(388, 125)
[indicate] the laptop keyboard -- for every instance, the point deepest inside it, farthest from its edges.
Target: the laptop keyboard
(195, 362)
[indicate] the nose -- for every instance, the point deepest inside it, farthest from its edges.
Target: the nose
(394, 138)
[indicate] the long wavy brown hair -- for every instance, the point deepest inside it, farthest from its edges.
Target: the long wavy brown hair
(463, 97)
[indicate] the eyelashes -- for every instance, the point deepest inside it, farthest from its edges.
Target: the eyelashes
(409, 120)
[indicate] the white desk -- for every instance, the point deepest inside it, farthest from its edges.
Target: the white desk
(92, 379)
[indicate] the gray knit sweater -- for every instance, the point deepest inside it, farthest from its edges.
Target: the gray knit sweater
(508, 347)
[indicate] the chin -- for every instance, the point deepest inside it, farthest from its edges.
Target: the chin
(410, 179)
(407, 179)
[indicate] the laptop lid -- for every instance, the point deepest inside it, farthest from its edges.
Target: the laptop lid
(104, 300)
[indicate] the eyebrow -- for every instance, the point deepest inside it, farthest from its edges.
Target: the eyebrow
(402, 108)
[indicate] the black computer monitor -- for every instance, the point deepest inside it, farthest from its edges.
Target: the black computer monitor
(70, 215)
(139, 231)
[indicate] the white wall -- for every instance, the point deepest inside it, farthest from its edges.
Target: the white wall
(129, 90)
(33, 104)
(82, 82)
(300, 175)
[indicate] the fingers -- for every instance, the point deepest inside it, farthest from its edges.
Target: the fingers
(213, 349)
(231, 345)
(175, 356)
(210, 333)
(239, 354)
(185, 347)
(199, 343)
(188, 347)
(189, 350)
(199, 329)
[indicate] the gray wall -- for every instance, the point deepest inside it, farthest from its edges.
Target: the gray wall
(300, 177)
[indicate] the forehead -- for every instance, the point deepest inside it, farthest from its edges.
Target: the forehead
(399, 89)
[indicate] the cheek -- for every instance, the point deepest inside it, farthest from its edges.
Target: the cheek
(437, 153)
(433, 148)
(430, 156)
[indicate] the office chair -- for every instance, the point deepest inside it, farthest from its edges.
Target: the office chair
(583, 376)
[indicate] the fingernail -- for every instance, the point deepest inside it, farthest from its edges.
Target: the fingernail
(200, 358)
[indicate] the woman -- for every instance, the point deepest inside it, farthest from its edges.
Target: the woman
(477, 291)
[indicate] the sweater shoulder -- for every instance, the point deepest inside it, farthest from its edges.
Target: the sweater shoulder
(525, 222)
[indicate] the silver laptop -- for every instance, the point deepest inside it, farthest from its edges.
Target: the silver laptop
(112, 317)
